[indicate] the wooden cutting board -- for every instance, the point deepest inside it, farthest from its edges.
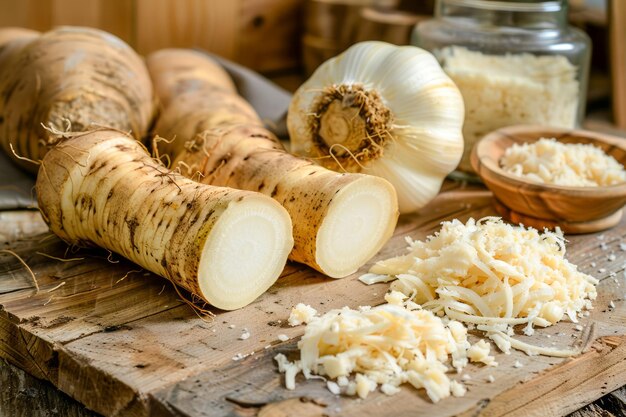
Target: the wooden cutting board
(120, 340)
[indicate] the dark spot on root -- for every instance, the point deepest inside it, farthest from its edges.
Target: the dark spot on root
(274, 191)
(110, 195)
(163, 263)
(259, 135)
(246, 158)
(208, 215)
(239, 199)
(132, 227)
(261, 185)
(123, 148)
(292, 199)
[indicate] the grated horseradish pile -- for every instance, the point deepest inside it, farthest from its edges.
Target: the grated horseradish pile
(551, 162)
(486, 273)
(383, 346)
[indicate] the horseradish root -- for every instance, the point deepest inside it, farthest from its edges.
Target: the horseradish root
(102, 188)
(383, 110)
(339, 220)
(69, 79)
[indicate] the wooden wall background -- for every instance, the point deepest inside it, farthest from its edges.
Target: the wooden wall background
(261, 34)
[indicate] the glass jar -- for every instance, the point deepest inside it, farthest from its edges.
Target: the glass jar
(515, 62)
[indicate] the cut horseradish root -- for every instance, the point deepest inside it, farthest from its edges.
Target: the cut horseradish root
(245, 252)
(356, 226)
(493, 276)
(223, 245)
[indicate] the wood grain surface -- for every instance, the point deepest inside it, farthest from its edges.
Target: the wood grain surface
(261, 34)
(121, 342)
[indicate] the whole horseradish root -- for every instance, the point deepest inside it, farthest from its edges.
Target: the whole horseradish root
(70, 78)
(226, 246)
(340, 220)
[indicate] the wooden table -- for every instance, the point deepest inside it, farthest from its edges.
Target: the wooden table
(120, 341)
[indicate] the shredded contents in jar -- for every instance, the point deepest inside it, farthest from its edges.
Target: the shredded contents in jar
(510, 89)
(571, 164)
(493, 275)
(384, 347)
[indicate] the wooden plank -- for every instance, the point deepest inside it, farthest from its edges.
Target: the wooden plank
(269, 34)
(565, 388)
(207, 24)
(33, 14)
(25, 396)
(114, 16)
(617, 25)
(133, 349)
(75, 12)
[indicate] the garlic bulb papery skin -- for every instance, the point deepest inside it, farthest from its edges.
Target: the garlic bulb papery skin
(383, 110)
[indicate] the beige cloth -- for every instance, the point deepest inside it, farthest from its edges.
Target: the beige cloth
(269, 100)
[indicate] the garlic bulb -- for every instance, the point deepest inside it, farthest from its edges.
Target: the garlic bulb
(383, 110)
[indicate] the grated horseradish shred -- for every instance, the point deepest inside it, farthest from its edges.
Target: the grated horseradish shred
(551, 162)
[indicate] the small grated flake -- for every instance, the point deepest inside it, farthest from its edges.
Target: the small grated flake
(244, 335)
(611, 257)
(602, 270)
(578, 328)
(611, 305)
(518, 364)
(622, 247)
(333, 387)
(490, 379)
(282, 337)
(603, 246)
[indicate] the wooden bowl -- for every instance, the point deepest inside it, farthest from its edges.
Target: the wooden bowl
(574, 209)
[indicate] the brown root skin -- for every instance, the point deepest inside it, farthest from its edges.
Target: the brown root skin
(102, 188)
(12, 39)
(198, 111)
(73, 76)
(179, 71)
